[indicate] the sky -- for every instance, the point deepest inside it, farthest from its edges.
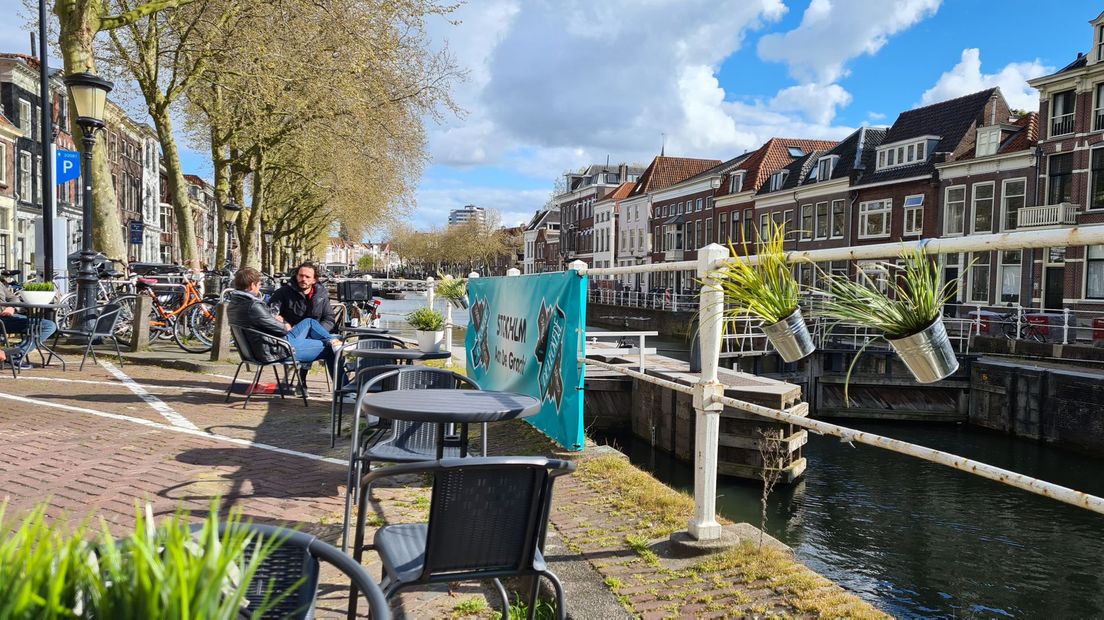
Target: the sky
(555, 85)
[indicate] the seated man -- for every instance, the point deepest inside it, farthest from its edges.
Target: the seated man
(18, 323)
(246, 309)
(304, 298)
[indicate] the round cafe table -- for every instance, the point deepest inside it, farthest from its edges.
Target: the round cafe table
(36, 313)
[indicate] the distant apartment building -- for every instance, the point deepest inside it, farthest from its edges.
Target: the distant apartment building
(469, 213)
(606, 216)
(576, 207)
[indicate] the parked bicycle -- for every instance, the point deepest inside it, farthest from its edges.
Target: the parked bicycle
(178, 312)
(1016, 326)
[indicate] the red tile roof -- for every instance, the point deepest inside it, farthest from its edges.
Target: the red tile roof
(666, 171)
(622, 191)
(31, 61)
(770, 158)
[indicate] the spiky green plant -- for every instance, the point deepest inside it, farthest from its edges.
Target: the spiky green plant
(42, 567)
(766, 288)
(455, 290)
(43, 287)
(426, 320)
(914, 297)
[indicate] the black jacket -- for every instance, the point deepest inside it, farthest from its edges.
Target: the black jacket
(246, 310)
(294, 305)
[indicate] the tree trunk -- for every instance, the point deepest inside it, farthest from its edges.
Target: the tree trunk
(79, 25)
(251, 235)
(222, 194)
(178, 191)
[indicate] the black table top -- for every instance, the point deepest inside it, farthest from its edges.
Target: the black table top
(397, 354)
(366, 330)
(459, 406)
(23, 304)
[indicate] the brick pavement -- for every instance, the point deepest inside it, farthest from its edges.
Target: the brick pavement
(58, 440)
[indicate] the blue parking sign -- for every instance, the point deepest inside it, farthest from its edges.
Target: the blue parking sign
(68, 166)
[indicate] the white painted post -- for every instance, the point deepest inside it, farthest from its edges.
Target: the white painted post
(513, 271)
(448, 329)
(707, 408)
(474, 274)
(429, 292)
(1065, 325)
(1019, 320)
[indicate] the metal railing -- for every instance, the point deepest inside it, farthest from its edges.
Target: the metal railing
(1061, 124)
(656, 300)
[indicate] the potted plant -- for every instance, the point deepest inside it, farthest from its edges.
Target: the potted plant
(38, 292)
(429, 328)
(455, 290)
(766, 288)
(909, 313)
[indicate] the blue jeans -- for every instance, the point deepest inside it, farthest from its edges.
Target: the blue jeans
(17, 324)
(311, 342)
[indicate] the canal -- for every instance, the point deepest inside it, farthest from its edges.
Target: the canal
(921, 540)
(913, 538)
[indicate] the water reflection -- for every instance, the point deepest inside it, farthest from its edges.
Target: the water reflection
(921, 540)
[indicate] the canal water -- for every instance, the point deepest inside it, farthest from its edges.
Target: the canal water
(922, 540)
(915, 539)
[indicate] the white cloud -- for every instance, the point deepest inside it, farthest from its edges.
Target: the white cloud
(835, 31)
(817, 103)
(966, 77)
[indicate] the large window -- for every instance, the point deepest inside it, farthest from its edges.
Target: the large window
(735, 182)
(25, 117)
(983, 207)
(807, 224)
(764, 226)
(1098, 111)
(1096, 189)
(1013, 193)
(838, 219)
(1060, 178)
(1094, 272)
(24, 176)
(825, 166)
(979, 278)
(1061, 113)
(914, 214)
(3, 164)
(722, 228)
(1010, 277)
(822, 220)
(709, 231)
(903, 154)
(874, 218)
(988, 139)
(954, 211)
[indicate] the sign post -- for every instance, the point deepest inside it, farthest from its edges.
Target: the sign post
(136, 228)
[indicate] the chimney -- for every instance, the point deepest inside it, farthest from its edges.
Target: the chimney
(34, 52)
(623, 172)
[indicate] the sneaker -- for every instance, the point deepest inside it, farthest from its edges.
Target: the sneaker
(22, 364)
(349, 399)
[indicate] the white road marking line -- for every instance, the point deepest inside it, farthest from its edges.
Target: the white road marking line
(157, 404)
(176, 429)
(147, 386)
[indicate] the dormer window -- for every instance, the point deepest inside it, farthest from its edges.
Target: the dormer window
(824, 168)
(736, 182)
(777, 180)
(905, 153)
(988, 140)
(795, 151)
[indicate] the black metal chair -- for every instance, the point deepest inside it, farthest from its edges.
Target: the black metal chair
(100, 330)
(287, 362)
(487, 519)
(9, 356)
(298, 558)
(352, 376)
(401, 441)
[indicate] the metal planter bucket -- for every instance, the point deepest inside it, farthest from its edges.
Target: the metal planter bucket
(790, 337)
(928, 354)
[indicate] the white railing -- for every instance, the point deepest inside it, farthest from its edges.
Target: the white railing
(1015, 322)
(672, 255)
(1061, 124)
(621, 349)
(1063, 213)
(656, 300)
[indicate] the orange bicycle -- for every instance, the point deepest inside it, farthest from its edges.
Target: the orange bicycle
(179, 312)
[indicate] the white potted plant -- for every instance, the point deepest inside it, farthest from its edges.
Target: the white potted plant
(909, 313)
(39, 293)
(429, 328)
(768, 290)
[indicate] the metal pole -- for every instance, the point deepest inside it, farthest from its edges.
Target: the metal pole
(46, 107)
(86, 279)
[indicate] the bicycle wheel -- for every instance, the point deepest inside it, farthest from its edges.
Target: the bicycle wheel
(125, 326)
(66, 305)
(194, 328)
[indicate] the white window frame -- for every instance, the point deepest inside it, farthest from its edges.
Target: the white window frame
(976, 264)
(827, 224)
(777, 180)
(736, 182)
(1005, 196)
(913, 224)
(988, 141)
(974, 206)
(825, 166)
(843, 224)
(25, 117)
(1071, 114)
(25, 173)
(903, 153)
(1089, 261)
(1001, 268)
(884, 207)
(947, 209)
(808, 214)
(3, 164)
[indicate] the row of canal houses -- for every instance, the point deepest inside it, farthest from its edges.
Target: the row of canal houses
(969, 165)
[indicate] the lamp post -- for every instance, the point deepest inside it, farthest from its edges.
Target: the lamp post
(268, 235)
(89, 92)
(229, 209)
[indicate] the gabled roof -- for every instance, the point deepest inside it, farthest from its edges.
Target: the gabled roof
(1023, 137)
(540, 218)
(665, 171)
(196, 180)
(620, 193)
(855, 151)
(774, 155)
(951, 120)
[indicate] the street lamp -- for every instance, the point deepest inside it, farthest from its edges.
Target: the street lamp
(229, 209)
(268, 235)
(89, 92)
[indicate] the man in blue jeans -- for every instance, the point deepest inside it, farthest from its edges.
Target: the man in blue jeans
(18, 324)
(246, 309)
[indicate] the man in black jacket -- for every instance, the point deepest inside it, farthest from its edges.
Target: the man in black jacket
(304, 298)
(246, 309)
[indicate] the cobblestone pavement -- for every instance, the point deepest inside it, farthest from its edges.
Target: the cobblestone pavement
(108, 438)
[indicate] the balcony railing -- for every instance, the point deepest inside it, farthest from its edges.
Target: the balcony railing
(1061, 214)
(1098, 120)
(672, 255)
(1061, 124)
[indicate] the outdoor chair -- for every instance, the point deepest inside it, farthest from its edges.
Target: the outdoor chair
(299, 558)
(9, 355)
(487, 519)
(99, 331)
(287, 362)
(402, 441)
(354, 375)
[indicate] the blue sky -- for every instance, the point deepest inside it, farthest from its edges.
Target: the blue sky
(559, 84)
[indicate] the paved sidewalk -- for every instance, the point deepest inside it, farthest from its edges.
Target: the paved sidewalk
(111, 437)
